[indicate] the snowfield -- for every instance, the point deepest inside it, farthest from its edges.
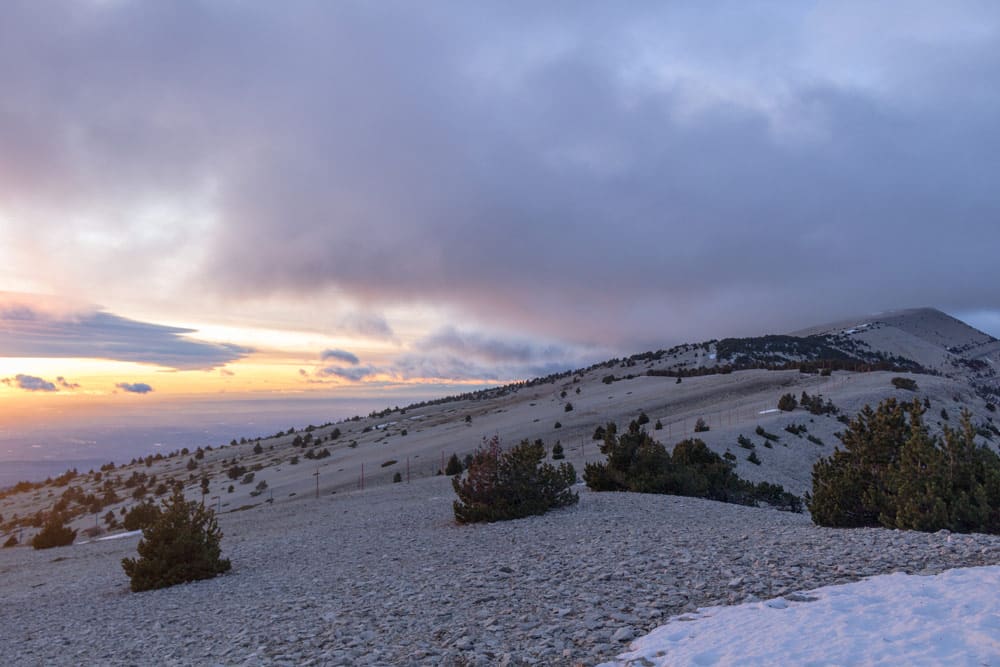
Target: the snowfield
(952, 618)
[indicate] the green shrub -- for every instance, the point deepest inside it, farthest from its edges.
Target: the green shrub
(753, 458)
(54, 533)
(454, 466)
(636, 462)
(658, 426)
(893, 473)
(744, 442)
(766, 435)
(182, 545)
(397, 478)
(557, 425)
(796, 429)
(700, 426)
(557, 451)
(787, 403)
(815, 440)
(141, 516)
(568, 407)
(908, 384)
(817, 406)
(643, 418)
(512, 484)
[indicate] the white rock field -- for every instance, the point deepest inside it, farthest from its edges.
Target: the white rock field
(952, 618)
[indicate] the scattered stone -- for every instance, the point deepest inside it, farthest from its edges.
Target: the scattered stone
(386, 577)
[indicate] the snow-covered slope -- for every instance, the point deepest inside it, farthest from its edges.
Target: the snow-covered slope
(950, 618)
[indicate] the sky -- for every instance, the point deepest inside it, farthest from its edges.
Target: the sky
(208, 200)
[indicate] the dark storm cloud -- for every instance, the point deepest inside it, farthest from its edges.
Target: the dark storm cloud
(134, 387)
(25, 332)
(620, 175)
(30, 383)
(340, 355)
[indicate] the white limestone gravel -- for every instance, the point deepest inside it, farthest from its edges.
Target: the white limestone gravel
(385, 577)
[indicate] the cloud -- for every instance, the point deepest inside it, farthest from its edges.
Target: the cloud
(26, 331)
(463, 354)
(66, 384)
(135, 388)
(354, 373)
(616, 175)
(340, 355)
(369, 325)
(30, 383)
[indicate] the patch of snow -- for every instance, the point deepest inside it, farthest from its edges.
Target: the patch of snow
(897, 619)
(768, 412)
(116, 536)
(712, 356)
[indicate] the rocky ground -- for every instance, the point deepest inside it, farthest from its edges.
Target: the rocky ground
(385, 577)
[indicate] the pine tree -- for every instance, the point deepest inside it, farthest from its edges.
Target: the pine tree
(512, 484)
(454, 466)
(919, 482)
(182, 545)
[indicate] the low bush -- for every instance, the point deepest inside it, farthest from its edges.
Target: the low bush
(10, 542)
(817, 406)
(753, 458)
(700, 426)
(636, 462)
(796, 429)
(766, 435)
(744, 442)
(182, 545)
(54, 533)
(787, 403)
(909, 384)
(512, 484)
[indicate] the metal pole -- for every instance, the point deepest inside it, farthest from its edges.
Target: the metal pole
(316, 475)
